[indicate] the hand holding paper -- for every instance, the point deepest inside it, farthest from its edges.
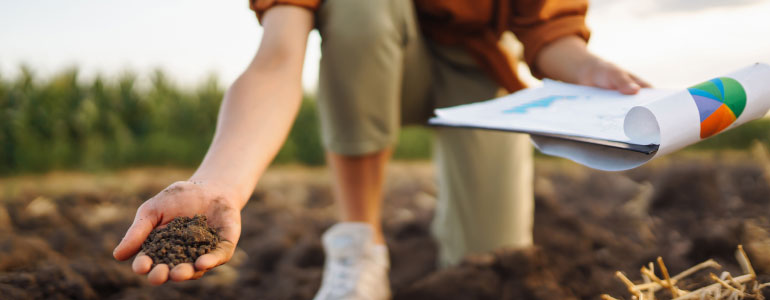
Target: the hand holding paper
(605, 130)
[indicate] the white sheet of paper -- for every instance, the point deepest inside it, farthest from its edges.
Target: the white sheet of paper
(558, 108)
(669, 118)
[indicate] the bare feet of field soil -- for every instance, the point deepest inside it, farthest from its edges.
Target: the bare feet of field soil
(588, 225)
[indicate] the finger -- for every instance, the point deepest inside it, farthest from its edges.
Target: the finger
(218, 256)
(158, 275)
(624, 84)
(182, 272)
(640, 82)
(198, 274)
(144, 222)
(142, 264)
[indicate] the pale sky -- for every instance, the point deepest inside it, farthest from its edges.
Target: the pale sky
(671, 43)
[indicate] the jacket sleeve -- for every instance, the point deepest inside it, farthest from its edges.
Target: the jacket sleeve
(261, 6)
(539, 22)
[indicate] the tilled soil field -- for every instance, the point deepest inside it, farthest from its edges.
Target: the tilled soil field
(589, 224)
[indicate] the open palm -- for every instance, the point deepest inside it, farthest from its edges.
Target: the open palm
(183, 198)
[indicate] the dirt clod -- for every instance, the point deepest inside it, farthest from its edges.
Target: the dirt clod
(182, 240)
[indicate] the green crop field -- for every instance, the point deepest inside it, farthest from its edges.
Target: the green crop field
(64, 122)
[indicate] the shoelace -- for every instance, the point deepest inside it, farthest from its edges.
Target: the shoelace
(342, 276)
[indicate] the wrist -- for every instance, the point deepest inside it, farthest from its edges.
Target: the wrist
(221, 189)
(566, 59)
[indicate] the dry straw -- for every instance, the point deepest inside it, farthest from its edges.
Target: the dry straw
(724, 286)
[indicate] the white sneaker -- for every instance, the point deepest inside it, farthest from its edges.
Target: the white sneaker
(356, 268)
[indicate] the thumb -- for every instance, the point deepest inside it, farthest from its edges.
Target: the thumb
(230, 234)
(146, 219)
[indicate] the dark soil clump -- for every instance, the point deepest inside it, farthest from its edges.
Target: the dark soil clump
(182, 240)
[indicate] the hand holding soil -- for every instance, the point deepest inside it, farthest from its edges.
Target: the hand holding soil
(181, 241)
(182, 199)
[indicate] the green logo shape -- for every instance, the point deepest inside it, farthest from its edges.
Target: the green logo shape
(726, 90)
(720, 102)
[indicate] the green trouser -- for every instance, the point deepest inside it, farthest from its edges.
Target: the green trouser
(377, 73)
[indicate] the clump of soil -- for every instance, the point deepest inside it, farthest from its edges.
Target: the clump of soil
(183, 240)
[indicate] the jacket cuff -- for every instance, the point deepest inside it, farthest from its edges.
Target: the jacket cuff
(261, 6)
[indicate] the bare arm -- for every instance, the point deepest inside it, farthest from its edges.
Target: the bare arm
(254, 120)
(260, 106)
(567, 59)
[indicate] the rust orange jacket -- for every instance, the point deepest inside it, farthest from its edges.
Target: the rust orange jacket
(478, 25)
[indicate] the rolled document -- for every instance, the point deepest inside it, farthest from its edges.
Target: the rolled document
(608, 131)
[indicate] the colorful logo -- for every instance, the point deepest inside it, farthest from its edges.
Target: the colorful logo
(720, 101)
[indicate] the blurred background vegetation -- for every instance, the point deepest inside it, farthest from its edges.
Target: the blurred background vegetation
(63, 122)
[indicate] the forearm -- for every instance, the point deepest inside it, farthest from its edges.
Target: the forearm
(254, 120)
(259, 108)
(564, 59)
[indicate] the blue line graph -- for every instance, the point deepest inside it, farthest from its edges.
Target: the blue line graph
(539, 103)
